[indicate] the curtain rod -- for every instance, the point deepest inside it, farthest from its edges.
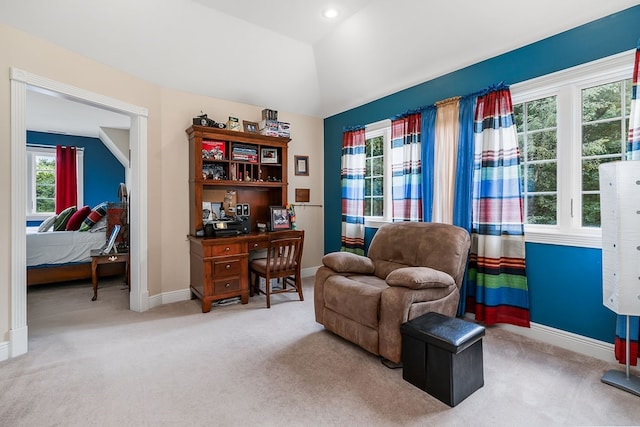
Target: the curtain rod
(52, 147)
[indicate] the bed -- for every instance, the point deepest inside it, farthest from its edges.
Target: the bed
(60, 256)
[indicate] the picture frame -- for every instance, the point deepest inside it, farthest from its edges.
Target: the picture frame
(112, 240)
(279, 218)
(269, 155)
(250, 127)
(301, 165)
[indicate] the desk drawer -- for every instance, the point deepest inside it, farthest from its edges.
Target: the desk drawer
(258, 245)
(227, 267)
(224, 286)
(224, 249)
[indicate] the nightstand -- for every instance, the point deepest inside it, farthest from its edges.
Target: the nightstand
(97, 258)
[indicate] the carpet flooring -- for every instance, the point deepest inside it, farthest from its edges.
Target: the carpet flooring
(99, 364)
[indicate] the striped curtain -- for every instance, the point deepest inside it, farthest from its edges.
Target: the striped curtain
(497, 284)
(406, 168)
(352, 183)
(633, 153)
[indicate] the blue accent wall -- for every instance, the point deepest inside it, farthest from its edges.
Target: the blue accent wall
(564, 282)
(103, 173)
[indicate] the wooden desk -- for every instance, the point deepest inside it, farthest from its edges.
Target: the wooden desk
(220, 265)
(98, 258)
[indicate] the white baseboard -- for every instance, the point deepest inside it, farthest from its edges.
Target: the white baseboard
(307, 272)
(567, 340)
(169, 297)
(185, 294)
(4, 351)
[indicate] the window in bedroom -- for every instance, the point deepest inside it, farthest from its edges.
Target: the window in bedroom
(41, 180)
(377, 188)
(568, 123)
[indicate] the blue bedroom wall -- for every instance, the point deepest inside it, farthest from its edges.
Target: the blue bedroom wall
(102, 171)
(564, 282)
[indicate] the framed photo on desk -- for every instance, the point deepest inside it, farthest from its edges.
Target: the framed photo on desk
(279, 218)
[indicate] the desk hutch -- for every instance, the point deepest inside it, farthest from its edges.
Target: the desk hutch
(246, 168)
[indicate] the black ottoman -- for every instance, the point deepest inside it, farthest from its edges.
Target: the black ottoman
(443, 356)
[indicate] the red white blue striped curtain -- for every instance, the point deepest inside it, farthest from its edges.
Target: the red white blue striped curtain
(633, 153)
(352, 183)
(406, 168)
(497, 284)
(66, 178)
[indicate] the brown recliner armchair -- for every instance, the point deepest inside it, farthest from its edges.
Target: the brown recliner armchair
(412, 268)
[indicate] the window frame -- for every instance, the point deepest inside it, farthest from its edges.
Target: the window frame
(34, 150)
(567, 85)
(382, 128)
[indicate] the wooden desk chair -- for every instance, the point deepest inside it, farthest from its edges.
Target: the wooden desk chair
(283, 261)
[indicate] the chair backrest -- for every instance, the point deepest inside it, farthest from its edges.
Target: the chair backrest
(442, 247)
(284, 255)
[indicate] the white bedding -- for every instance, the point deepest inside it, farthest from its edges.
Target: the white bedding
(61, 247)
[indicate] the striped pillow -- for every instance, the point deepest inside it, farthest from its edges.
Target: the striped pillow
(60, 223)
(94, 216)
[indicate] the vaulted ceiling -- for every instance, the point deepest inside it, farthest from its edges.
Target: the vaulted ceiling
(283, 54)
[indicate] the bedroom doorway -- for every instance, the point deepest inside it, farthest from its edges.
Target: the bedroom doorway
(136, 173)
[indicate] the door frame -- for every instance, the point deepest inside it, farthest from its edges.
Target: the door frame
(136, 173)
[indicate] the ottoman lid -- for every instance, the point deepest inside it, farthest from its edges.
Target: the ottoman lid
(448, 333)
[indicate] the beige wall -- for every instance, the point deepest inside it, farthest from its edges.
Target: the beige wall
(170, 113)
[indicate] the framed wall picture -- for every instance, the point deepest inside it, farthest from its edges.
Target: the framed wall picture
(269, 155)
(279, 218)
(250, 127)
(302, 165)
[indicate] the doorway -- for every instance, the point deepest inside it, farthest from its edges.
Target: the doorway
(20, 82)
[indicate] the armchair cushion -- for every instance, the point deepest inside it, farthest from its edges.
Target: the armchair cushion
(419, 278)
(347, 262)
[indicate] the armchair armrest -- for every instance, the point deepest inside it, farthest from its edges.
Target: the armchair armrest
(347, 262)
(419, 278)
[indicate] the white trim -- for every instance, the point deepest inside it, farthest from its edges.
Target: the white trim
(4, 350)
(113, 148)
(309, 272)
(169, 297)
(20, 79)
(185, 294)
(586, 240)
(18, 345)
(137, 177)
(567, 340)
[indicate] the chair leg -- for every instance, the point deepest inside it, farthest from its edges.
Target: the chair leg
(251, 284)
(299, 286)
(267, 286)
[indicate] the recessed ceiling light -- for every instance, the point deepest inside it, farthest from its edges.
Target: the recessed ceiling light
(330, 13)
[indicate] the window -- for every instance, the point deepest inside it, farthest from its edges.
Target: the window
(569, 123)
(377, 187)
(41, 181)
(536, 122)
(604, 123)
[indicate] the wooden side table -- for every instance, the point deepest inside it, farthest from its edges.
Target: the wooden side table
(97, 258)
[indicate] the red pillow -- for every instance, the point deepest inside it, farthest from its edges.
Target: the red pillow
(76, 219)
